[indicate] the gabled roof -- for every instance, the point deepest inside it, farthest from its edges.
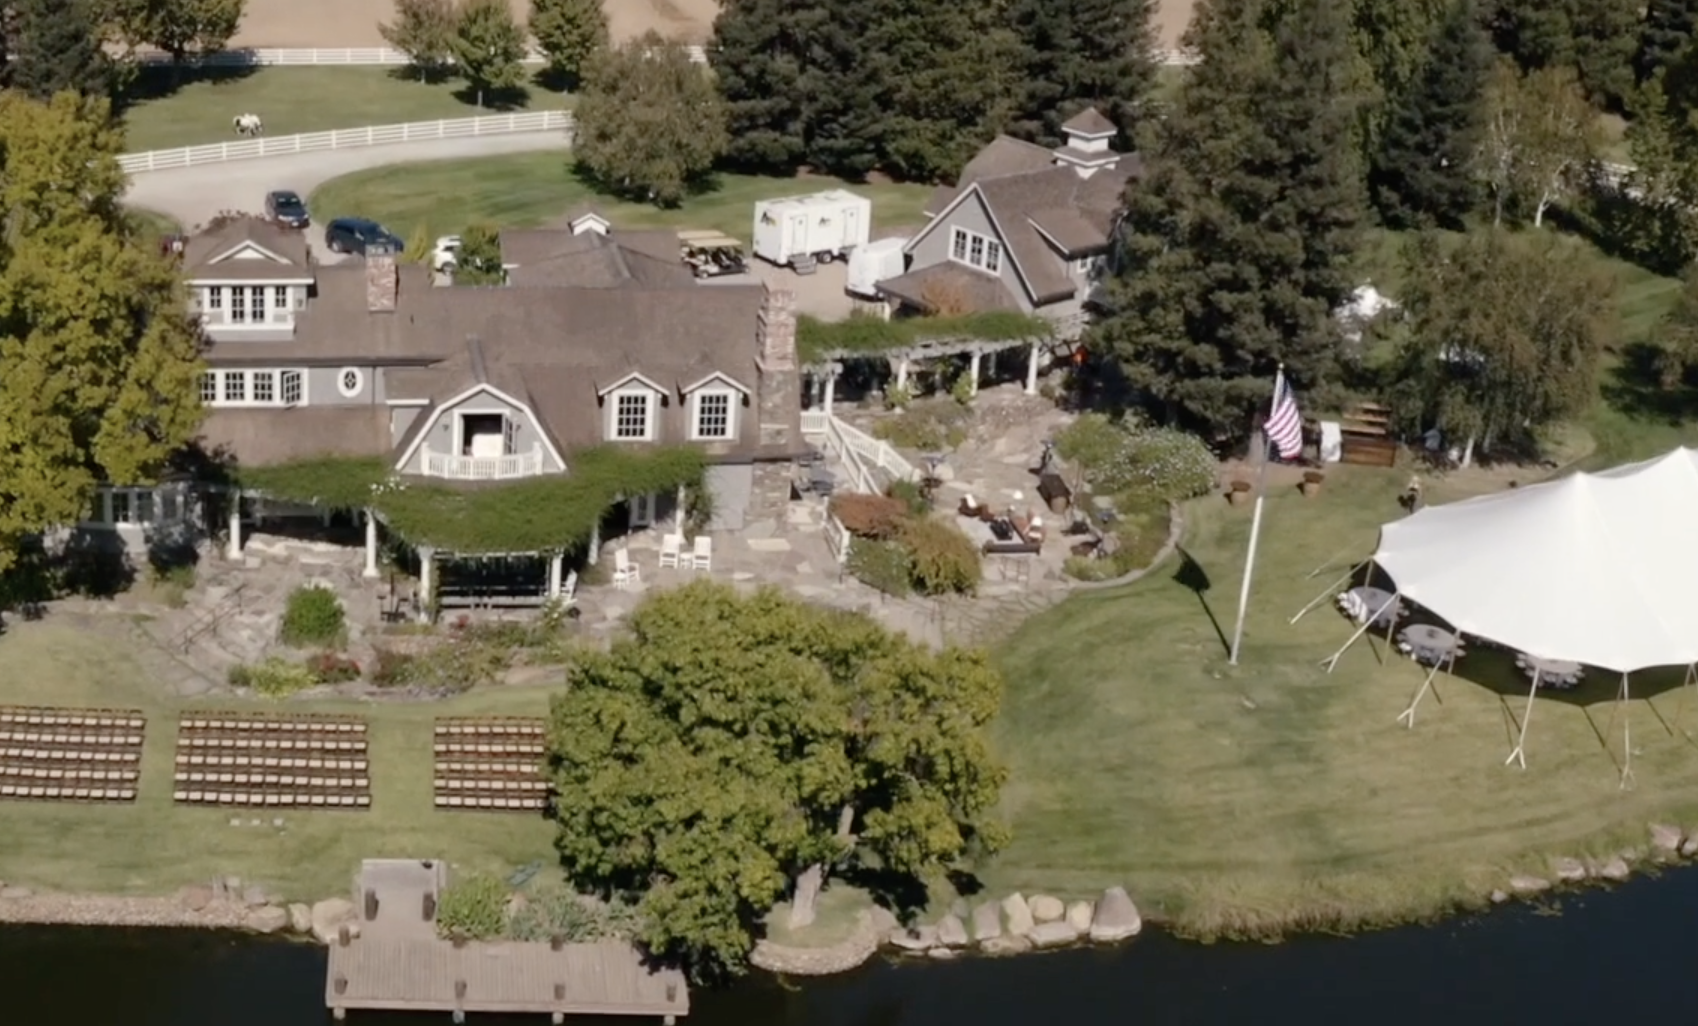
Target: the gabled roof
(1090, 122)
(210, 254)
(1004, 155)
(556, 258)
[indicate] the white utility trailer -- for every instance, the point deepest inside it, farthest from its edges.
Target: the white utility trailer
(877, 261)
(802, 230)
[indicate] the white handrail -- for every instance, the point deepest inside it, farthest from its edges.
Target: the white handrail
(837, 538)
(483, 468)
(348, 138)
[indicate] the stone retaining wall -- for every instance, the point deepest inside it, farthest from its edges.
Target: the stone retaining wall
(870, 931)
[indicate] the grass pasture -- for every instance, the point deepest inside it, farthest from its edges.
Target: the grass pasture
(153, 846)
(294, 100)
(524, 189)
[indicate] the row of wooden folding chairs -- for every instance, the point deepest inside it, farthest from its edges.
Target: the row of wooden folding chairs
(489, 767)
(56, 793)
(496, 748)
(284, 780)
(521, 728)
(272, 798)
(456, 801)
(294, 724)
(273, 744)
(76, 773)
(97, 740)
(125, 719)
(72, 754)
(486, 784)
(272, 762)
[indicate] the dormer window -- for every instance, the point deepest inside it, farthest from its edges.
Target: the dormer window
(712, 413)
(633, 415)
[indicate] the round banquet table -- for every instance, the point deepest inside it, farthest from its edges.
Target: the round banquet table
(1429, 644)
(1559, 674)
(1375, 599)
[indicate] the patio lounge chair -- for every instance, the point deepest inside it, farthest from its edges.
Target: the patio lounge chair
(625, 572)
(701, 558)
(671, 546)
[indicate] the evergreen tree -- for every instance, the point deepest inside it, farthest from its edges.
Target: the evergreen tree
(1082, 53)
(1598, 38)
(1238, 242)
(488, 47)
(569, 32)
(55, 47)
(760, 51)
(1423, 172)
(1667, 30)
(650, 123)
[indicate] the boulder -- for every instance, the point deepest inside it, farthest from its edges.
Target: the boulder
(328, 916)
(914, 938)
(1665, 838)
(1569, 870)
(1528, 884)
(1689, 847)
(253, 896)
(1006, 946)
(1053, 935)
(952, 932)
(194, 898)
(1499, 896)
(942, 953)
(987, 922)
(1079, 916)
(1046, 909)
(1614, 868)
(300, 918)
(267, 919)
(1017, 914)
(1117, 918)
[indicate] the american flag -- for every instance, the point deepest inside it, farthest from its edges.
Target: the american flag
(1284, 427)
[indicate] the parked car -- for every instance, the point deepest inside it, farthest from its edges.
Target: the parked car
(285, 207)
(354, 234)
(446, 255)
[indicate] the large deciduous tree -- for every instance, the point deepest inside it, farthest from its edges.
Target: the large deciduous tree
(178, 27)
(1657, 207)
(568, 32)
(730, 745)
(99, 362)
(1540, 138)
(1075, 54)
(649, 123)
(1423, 173)
(488, 47)
(1504, 334)
(424, 31)
(1239, 241)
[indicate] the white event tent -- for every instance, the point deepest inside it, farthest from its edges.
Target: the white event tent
(1598, 569)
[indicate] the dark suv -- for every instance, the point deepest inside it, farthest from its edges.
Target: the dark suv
(354, 234)
(285, 208)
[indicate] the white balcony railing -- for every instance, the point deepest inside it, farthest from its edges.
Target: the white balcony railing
(482, 468)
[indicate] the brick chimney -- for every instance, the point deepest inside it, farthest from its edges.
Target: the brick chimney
(775, 329)
(383, 279)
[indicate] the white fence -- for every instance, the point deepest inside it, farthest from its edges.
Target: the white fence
(837, 538)
(384, 56)
(860, 453)
(348, 138)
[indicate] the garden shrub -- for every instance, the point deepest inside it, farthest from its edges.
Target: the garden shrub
(313, 616)
(274, 677)
(332, 668)
(473, 908)
(932, 425)
(910, 495)
(551, 910)
(1137, 536)
(876, 517)
(942, 560)
(882, 565)
(1128, 456)
(456, 665)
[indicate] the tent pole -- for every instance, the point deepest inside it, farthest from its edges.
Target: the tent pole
(1449, 663)
(1367, 623)
(1519, 754)
(1626, 737)
(1322, 597)
(1318, 570)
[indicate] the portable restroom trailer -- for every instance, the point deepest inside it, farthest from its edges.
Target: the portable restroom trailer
(803, 229)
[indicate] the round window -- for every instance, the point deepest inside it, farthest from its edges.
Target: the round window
(350, 382)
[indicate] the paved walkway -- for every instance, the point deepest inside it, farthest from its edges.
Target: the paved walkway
(193, 195)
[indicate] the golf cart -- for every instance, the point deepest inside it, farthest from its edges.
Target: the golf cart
(712, 254)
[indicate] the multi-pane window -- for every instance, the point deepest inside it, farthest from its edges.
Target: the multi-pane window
(975, 250)
(134, 507)
(264, 387)
(235, 386)
(713, 415)
(209, 386)
(215, 297)
(631, 415)
(292, 388)
(238, 305)
(280, 302)
(122, 509)
(252, 387)
(256, 298)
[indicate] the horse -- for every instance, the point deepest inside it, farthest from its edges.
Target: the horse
(247, 124)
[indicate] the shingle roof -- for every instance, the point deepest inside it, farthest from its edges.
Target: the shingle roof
(202, 249)
(264, 437)
(1089, 121)
(1004, 155)
(555, 258)
(977, 291)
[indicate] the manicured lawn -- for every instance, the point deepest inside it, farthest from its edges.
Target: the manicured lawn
(154, 846)
(306, 99)
(521, 189)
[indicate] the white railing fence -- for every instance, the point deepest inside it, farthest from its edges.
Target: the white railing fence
(859, 452)
(873, 451)
(347, 138)
(483, 468)
(837, 538)
(813, 422)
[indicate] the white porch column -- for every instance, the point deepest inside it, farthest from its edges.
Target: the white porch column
(371, 545)
(1032, 370)
(830, 390)
(594, 555)
(678, 512)
(235, 551)
(973, 372)
(902, 373)
(554, 564)
(427, 559)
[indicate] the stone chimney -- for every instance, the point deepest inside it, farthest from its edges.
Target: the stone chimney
(383, 279)
(775, 330)
(778, 401)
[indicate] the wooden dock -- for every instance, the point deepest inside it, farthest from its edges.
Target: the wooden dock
(395, 961)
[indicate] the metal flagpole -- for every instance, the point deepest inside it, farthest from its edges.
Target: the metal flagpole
(1255, 529)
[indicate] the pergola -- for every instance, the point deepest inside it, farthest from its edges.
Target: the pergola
(824, 368)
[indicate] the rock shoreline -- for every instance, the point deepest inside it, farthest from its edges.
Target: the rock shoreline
(225, 904)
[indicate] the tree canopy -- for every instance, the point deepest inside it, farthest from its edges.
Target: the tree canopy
(1667, 30)
(488, 47)
(99, 363)
(178, 27)
(1541, 136)
(1598, 38)
(730, 743)
(569, 32)
(1082, 53)
(424, 31)
(650, 124)
(54, 46)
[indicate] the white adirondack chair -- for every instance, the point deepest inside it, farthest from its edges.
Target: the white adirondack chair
(701, 558)
(671, 547)
(625, 572)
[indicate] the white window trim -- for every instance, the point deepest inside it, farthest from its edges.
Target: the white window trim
(102, 514)
(986, 241)
(460, 415)
(651, 414)
(276, 402)
(732, 402)
(359, 382)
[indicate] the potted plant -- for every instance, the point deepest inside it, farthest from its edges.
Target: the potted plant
(1311, 482)
(1238, 493)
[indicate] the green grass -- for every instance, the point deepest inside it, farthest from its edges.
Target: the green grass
(294, 100)
(153, 846)
(523, 189)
